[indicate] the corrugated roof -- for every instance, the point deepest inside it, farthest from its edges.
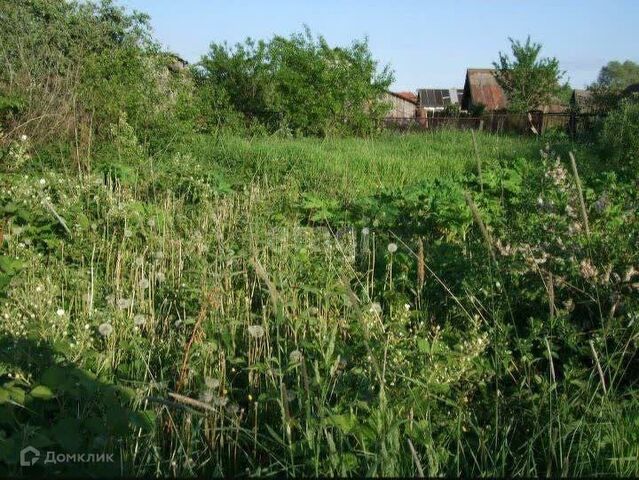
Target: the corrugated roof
(481, 87)
(438, 97)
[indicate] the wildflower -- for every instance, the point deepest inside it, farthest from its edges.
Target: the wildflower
(60, 312)
(569, 305)
(124, 303)
(295, 356)
(392, 247)
(143, 283)
(375, 308)
(43, 181)
(139, 320)
(23, 137)
(38, 289)
(540, 201)
(407, 306)
(588, 270)
(105, 329)
(256, 331)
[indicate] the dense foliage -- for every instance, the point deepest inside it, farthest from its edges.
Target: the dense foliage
(620, 134)
(529, 81)
(299, 84)
(618, 75)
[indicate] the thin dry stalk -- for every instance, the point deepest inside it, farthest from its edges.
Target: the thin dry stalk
(418, 465)
(599, 369)
(552, 363)
(196, 334)
(479, 172)
(480, 223)
(421, 271)
(582, 204)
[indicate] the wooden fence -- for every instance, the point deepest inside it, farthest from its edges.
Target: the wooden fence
(522, 123)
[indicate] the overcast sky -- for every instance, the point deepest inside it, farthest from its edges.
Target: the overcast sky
(427, 43)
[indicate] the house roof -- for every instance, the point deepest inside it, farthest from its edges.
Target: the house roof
(482, 88)
(581, 100)
(438, 97)
(408, 96)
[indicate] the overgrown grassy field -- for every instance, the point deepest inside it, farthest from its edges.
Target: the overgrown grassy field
(404, 305)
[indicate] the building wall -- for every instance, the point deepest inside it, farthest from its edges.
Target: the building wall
(399, 108)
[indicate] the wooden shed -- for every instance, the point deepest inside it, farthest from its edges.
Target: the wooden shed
(481, 88)
(403, 104)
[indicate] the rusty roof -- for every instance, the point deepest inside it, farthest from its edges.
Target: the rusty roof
(408, 96)
(481, 87)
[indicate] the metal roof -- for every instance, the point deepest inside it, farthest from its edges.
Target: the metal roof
(481, 87)
(438, 97)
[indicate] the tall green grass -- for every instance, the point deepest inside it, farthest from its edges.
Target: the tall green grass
(355, 167)
(184, 318)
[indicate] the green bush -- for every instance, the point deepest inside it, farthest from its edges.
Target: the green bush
(620, 133)
(298, 84)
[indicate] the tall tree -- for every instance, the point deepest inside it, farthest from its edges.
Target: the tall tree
(617, 75)
(529, 81)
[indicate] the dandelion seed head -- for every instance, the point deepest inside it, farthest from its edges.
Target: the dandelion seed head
(143, 283)
(123, 303)
(139, 320)
(375, 308)
(366, 231)
(105, 329)
(212, 382)
(392, 247)
(256, 331)
(60, 312)
(206, 396)
(295, 356)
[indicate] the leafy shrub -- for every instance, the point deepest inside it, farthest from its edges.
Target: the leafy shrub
(299, 83)
(620, 134)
